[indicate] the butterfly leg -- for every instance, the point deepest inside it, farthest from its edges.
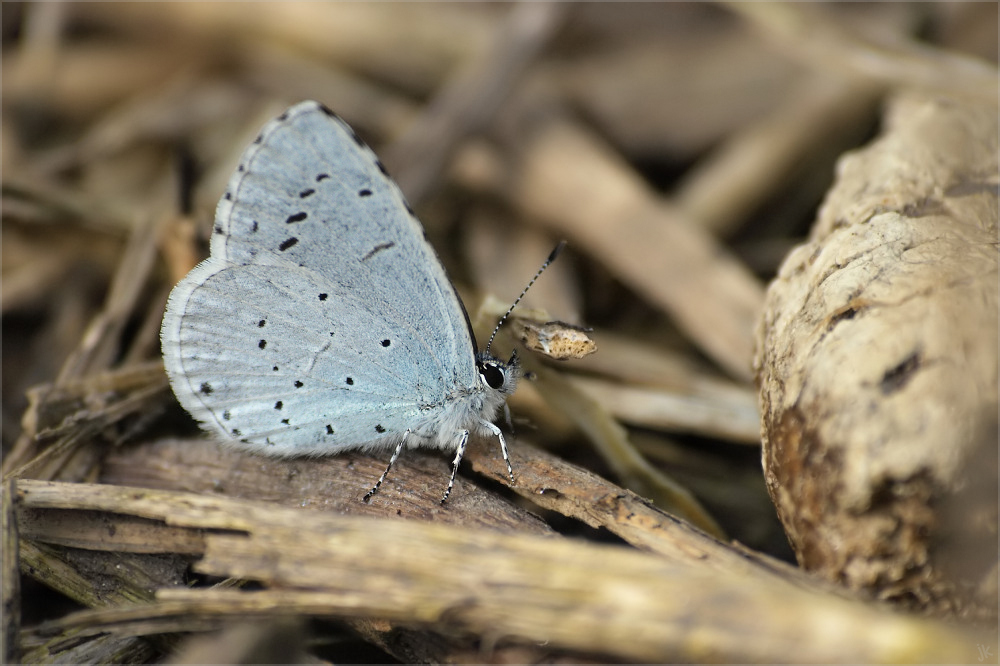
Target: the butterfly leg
(395, 454)
(454, 466)
(507, 418)
(503, 448)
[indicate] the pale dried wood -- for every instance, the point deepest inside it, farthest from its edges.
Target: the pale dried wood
(334, 483)
(600, 599)
(877, 364)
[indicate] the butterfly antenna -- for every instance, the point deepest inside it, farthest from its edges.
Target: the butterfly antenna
(552, 257)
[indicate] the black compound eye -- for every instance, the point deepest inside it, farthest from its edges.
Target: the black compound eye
(493, 375)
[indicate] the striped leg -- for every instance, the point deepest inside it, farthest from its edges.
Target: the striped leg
(503, 448)
(395, 454)
(454, 466)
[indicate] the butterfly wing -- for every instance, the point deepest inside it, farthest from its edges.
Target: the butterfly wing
(322, 320)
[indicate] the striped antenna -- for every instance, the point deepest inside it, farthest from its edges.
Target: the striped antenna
(552, 257)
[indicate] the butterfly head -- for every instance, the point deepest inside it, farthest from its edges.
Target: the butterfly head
(498, 375)
(499, 378)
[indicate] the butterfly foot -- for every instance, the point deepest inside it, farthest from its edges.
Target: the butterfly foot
(378, 484)
(392, 461)
(451, 483)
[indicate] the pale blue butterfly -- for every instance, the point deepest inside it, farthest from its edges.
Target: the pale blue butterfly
(323, 320)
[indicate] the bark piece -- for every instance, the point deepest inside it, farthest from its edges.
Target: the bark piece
(877, 365)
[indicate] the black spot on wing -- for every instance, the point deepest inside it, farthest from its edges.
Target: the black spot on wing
(227, 196)
(381, 167)
(386, 342)
(321, 177)
(278, 405)
(262, 344)
(329, 429)
(298, 384)
(261, 323)
(379, 429)
(226, 415)
(285, 421)
(323, 297)
(306, 193)
(254, 227)
(350, 381)
(283, 117)
(287, 243)
(206, 388)
(364, 193)
(298, 217)
(327, 110)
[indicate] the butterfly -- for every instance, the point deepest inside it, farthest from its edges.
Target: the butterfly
(323, 321)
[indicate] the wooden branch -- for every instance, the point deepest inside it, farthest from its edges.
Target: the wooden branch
(878, 366)
(600, 599)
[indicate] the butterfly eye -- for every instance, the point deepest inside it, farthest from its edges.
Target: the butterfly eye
(493, 375)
